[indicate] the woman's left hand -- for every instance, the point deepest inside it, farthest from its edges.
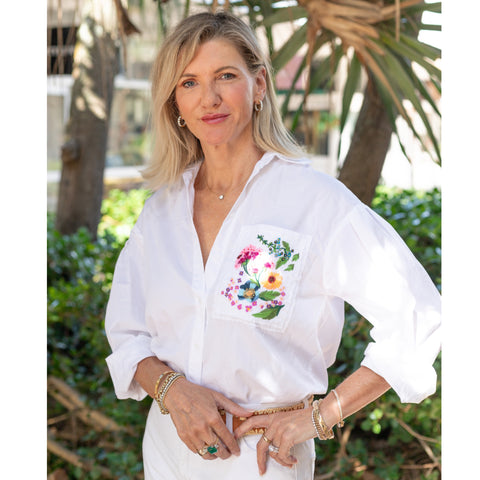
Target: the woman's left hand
(283, 430)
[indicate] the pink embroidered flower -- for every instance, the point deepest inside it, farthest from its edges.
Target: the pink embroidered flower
(248, 253)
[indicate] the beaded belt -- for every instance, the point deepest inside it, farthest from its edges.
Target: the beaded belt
(237, 421)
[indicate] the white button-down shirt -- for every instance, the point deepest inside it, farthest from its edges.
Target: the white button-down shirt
(262, 322)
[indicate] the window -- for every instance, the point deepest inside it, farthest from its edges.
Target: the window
(60, 47)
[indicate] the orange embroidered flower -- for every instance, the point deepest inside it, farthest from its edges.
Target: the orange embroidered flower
(272, 280)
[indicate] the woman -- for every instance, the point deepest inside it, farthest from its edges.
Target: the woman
(227, 300)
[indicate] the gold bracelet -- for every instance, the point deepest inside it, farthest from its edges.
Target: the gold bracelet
(155, 392)
(323, 432)
(170, 379)
(160, 394)
(341, 423)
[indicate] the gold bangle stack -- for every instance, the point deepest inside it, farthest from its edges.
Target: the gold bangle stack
(323, 432)
(341, 423)
(164, 382)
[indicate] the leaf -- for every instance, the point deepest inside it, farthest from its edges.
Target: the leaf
(286, 245)
(397, 72)
(413, 50)
(281, 262)
(289, 48)
(282, 15)
(292, 90)
(269, 295)
(321, 41)
(269, 313)
(290, 267)
(351, 84)
(392, 113)
(295, 257)
(425, 49)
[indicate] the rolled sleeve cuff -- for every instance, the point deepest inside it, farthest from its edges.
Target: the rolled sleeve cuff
(411, 376)
(122, 364)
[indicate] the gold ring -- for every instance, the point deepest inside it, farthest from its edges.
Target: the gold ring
(266, 438)
(211, 449)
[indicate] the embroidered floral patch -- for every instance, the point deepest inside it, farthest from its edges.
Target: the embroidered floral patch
(258, 288)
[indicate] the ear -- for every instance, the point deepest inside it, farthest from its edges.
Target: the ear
(261, 84)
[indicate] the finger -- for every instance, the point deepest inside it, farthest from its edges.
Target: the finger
(289, 461)
(275, 457)
(222, 452)
(225, 436)
(285, 450)
(257, 421)
(231, 406)
(262, 454)
(206, 455)
(283, 456)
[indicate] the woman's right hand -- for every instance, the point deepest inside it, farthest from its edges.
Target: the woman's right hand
(194, 411)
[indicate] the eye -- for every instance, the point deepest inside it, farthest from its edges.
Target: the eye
(188, 84)
(227, 76)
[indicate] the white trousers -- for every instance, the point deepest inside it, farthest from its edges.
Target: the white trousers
(166, 457)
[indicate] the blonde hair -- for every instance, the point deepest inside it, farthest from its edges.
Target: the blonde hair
(176, 148)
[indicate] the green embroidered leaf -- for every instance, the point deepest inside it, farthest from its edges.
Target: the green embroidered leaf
(290, 267)
(267, 296)
(286, 245)
(295, 257)
(281, 262)
(262, 239)
(269, 313)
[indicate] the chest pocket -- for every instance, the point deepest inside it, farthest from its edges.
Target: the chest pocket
(260, 276)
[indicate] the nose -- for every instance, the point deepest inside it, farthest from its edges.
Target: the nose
(210, 95)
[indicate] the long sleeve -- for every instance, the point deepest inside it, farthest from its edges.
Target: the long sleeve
(371, 268)
(125, 319)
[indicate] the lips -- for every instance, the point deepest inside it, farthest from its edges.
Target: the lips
(214, 118)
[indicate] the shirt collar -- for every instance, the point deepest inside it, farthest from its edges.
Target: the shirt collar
(191, 171)
(270, 156)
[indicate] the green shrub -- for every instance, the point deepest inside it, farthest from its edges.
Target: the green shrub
(79, 276)
(416, 216)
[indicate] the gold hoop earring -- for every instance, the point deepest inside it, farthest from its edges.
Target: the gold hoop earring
(258, 106)
(181, 122)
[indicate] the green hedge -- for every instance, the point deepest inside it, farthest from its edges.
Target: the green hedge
(384, 425)
(79, 279)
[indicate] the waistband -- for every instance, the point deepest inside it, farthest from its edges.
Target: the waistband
(237, 421)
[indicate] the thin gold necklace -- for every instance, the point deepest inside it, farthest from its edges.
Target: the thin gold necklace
(220, 196)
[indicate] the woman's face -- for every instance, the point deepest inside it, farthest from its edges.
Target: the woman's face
(216, 93)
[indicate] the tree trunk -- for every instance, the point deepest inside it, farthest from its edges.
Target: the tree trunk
(363, 164)
(83, 153)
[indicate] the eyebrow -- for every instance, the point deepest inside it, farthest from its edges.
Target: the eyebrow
(218, 70)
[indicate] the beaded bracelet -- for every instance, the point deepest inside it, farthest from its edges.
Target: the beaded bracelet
(170, 379)
(323, 432)
(341, 423)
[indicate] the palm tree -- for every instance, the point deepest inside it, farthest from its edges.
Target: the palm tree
(378, 40)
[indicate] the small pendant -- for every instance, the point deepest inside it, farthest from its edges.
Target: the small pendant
(220, 197)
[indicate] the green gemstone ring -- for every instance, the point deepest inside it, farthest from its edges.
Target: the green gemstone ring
(211, 449)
